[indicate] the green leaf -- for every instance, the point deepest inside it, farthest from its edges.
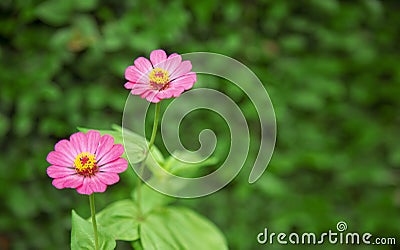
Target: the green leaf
(180, 228)
(120, 220)
(175, 166)
(137, 245)
(55, 12)
(82, 236)
(152, 199)
(85, 5)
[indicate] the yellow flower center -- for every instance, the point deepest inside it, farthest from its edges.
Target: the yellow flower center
(159, 78)
(85, 164)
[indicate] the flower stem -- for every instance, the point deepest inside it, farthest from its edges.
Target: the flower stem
(155, 125)
(93, 213)
(141, 166)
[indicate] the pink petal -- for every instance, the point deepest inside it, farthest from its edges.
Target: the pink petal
(79, 142)
(117, 166)
(148, 92)
(85, 188)
(170, 92)
(152, 97)
(154, 100)
(186, 81)
(108, 178)
(172, 63)
(70, 181)
(157, 57)
(134, 75)
(96, 184)
(59, 159)
(129, 85)
(59, 172)
(182, 69)
(93, 139)
(105, 144)
(139, 89)
(65, 147)
(114, 153)
(143, 65)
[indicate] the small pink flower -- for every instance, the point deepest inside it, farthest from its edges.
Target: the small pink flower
(160, 78)
(88, 162)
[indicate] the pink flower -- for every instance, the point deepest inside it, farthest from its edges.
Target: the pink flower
(88, 162)
(160, 78)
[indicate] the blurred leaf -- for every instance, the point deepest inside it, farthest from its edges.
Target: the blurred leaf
(85, 5)
(55, 12)
(4, 125)
(271, 185)
(21, 203)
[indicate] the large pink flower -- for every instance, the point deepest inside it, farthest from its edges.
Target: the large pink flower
(88, 162)
(160, 77)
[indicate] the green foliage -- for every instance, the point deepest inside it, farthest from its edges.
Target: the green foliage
(179, 228)
(82, 236)
(330, 67)
(120, 220)
(161, 227)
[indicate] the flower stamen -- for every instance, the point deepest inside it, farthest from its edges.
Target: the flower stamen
(86, 164)
(158, 78)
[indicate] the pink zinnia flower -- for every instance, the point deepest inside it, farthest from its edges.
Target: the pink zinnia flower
(88, 162)
(160, 78)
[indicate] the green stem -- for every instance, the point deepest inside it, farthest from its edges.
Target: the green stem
(93, 213)
(155, 125)
(141, 167)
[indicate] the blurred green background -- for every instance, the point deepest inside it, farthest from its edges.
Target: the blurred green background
(331, 69)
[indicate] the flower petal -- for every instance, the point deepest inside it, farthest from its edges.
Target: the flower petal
(152, 97)
(70, 181)
(117, 166)
(148, 92)
(96, 185)
(157, 57)
(59, 172)
(129, 85)
(79, 142)
(93, 139)
(108, 177)
(114, 153)
(143, 65)
(65, 147)
(139, 88)
(105, 144)
(134, 75)
(182, 69)
(185, 82)
(59, 159)
(85, 188)
(172, 63)
(170, 92)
